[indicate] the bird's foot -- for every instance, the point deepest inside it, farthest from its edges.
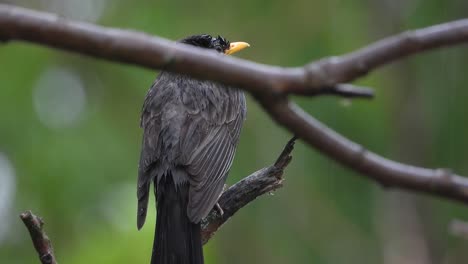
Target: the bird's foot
(219, 209)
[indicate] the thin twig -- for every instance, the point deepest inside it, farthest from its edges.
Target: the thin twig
(39, 238)
(245, 191)
(347, 90)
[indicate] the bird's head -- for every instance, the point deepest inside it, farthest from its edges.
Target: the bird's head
(219, 43)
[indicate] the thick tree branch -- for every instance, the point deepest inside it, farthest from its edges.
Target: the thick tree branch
(389, 173)
(40, 240)
(153, 52)
(269, 84)
(245, 191)
(356, 64)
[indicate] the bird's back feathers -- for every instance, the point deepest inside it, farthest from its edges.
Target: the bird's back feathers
(189, 125)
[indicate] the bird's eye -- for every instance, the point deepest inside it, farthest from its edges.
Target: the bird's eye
(219, 49)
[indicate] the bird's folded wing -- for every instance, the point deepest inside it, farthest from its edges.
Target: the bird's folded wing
(210, 155)
(208, 169)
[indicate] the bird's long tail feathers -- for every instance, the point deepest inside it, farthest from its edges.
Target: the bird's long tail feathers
(176, 240)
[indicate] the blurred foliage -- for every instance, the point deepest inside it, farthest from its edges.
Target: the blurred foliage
(81, 177)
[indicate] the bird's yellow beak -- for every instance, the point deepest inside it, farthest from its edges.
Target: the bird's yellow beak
(236, 46)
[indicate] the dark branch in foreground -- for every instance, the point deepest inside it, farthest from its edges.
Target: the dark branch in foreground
(270, 85)
(40, 240)
(237, 196)
(157, 53)
(245, 191)
(388, 173)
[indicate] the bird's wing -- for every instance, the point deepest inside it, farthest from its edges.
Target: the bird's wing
(150, 151)
(208, 143)
(193, 129)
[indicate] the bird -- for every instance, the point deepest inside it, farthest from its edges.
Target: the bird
(191, 130)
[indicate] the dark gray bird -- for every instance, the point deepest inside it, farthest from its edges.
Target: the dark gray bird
(191, 130)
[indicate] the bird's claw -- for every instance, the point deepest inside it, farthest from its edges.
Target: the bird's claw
(219, 209)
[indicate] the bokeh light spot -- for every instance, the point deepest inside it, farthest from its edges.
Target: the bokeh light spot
(85, 10)
(59, 98)
(7, 193)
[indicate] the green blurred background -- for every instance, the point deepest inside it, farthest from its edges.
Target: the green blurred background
(69, 137)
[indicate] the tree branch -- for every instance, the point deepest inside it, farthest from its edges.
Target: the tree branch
(237, 196)
(388, 173)
(245, 191)
(40, 240)
(157, 53)
(345, 90)
(268, 84)
(357, 64)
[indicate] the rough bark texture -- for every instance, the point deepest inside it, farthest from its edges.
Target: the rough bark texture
(240, 194)
(39, 238)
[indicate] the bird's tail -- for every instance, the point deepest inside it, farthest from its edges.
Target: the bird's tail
(176, 240)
